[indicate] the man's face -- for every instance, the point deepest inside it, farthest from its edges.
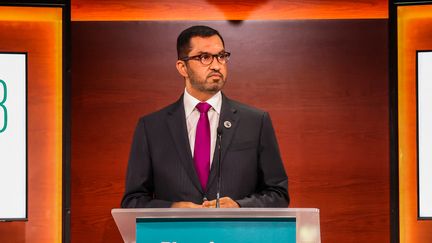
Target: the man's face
(208, 79)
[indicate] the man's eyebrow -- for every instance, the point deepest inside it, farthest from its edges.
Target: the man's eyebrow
(205, 52)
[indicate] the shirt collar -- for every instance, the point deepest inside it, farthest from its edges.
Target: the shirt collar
(190, 102)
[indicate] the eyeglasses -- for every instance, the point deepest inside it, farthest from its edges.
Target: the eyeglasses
(207, 58)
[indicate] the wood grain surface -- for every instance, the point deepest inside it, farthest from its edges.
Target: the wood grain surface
(38, 34)
(106, 10)
(324, 83)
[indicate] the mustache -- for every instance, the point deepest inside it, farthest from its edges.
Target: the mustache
(215, 73)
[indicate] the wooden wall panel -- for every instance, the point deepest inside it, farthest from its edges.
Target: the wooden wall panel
(414, 33)
(38, 31)
(108, 10)
(324, 83)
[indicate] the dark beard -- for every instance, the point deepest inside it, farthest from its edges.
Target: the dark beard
(203, 86)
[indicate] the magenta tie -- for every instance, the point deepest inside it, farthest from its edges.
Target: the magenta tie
(202, 145)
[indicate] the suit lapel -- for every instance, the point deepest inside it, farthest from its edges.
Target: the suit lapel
(177, 126)
(228, 121)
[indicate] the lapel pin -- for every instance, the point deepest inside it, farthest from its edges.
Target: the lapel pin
(227, 124)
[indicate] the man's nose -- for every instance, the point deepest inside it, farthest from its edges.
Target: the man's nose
(215, 65)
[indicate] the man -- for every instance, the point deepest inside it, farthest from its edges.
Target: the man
(174, 160)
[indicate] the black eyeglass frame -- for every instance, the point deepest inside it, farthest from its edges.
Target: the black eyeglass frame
(200, 58)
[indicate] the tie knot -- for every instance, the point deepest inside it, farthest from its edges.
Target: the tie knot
(203, 107)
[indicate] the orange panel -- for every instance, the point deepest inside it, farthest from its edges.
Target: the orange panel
(414, 33)
(38, 31)
(107, 10)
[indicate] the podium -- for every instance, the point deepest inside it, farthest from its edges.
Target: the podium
(217, 225)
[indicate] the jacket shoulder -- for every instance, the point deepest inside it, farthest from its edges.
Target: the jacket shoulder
(162, 113)
(246, 109)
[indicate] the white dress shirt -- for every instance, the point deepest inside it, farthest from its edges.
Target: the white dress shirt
(192, 116)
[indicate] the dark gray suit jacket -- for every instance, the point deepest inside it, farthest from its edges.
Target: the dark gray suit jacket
(161, 169)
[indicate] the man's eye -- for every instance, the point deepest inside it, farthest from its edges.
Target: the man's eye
(206, 56)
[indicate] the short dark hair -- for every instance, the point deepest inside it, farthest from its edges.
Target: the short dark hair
(183, 40)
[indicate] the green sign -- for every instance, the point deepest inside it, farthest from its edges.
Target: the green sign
(3, 107)
(221, 230)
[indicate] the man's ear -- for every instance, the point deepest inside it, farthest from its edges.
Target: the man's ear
(182, 68)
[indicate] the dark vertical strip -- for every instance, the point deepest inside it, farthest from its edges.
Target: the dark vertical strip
(66, 202)
(394, 136)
